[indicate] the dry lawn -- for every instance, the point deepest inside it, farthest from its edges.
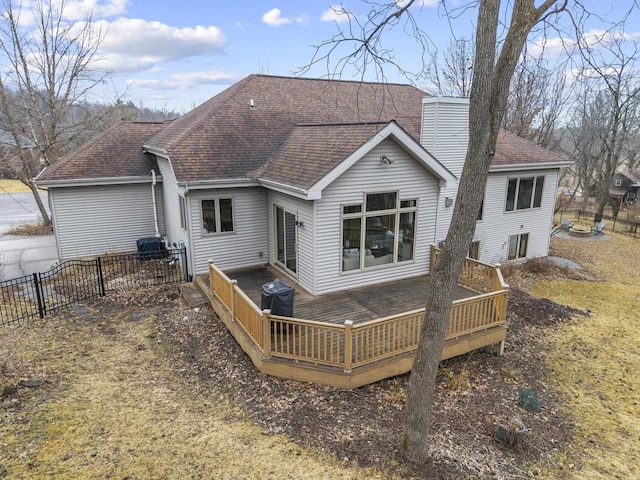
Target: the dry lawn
(112, 405)
(595, 360)
(12, 186)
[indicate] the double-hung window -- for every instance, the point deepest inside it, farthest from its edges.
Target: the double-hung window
(524, 192)
(379, 231)
(217, 215)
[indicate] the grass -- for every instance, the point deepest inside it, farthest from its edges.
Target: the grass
(595, 359)
(112, 405)
(30, 229)
(12, 186)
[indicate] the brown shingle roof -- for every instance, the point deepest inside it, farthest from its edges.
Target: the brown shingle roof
(117, 152)
(310, 152)
(514, 150)
(633, 175)
(225, 138)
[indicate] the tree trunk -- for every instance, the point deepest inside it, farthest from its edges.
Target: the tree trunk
(46, 220)
(488, 102)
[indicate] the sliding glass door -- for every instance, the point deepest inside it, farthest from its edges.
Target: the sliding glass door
(285, 239)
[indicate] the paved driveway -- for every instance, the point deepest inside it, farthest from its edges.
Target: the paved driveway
(23, 255)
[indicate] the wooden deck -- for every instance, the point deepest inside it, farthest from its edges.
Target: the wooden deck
(358, 305)
(356, 337)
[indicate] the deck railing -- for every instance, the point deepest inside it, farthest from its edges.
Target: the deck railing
(346, 345)
(475, 275)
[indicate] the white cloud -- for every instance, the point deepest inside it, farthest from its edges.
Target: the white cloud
(336, 13)
(79, 9)
(419, 3)
(594, 39)
(134, 44)
(183, 81)
(274, 18)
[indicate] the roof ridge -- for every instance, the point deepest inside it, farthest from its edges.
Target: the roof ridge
(322, 79)
(339, 124)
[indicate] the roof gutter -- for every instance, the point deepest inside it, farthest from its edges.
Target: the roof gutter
(86, 182)
(529, 166)
(291, 190)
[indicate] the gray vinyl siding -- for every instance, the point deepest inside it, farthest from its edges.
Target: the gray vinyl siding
(306, 258)
(101, 219)
(368, 175)
(445, 135)
(497, 225)
(170, 194)
(246, 246)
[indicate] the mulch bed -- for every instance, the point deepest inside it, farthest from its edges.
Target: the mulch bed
(364, 426)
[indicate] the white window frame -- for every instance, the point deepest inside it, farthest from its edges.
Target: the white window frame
(363, 214)
(518, 255)
(475, 245)
(218, 225)
(182, 206)
(618, 182)
(536, 179)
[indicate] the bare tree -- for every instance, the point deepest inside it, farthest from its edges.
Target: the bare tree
(537, 97)
(605, 127)
(46, 64)
(494, 64)
(451, 75)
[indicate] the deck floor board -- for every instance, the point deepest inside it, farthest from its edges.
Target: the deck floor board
(359, 305)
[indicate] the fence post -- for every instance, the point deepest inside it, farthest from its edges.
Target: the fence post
(266, 333)
(183, 261)
(348, 345)
(37, 284)
(100, 277)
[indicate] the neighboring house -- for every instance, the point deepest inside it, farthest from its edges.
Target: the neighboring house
(339, 184)
(624, 187)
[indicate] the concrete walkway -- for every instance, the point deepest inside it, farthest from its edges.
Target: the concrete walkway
(26, 255)
(21, 255)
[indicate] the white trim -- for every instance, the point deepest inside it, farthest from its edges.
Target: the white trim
(529, 166)
(90, 182)
(444, 99)
(155, 151)
(404, 140)
(289, 190)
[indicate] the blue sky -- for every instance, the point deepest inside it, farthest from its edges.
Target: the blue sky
(175, 55)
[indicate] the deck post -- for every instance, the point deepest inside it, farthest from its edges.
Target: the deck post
(501, 348)
(266, 333)
(234, 284)
(348, 351)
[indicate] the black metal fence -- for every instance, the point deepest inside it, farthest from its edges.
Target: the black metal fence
(615, 224)
(74, 281)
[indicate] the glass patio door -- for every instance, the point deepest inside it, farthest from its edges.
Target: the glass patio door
(286, 254)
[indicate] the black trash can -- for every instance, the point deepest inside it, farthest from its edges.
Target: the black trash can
(150, 248)
(277, 296)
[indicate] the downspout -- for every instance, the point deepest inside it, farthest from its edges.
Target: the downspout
(153, 197)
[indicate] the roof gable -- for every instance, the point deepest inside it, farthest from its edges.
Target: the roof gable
(313, 156)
